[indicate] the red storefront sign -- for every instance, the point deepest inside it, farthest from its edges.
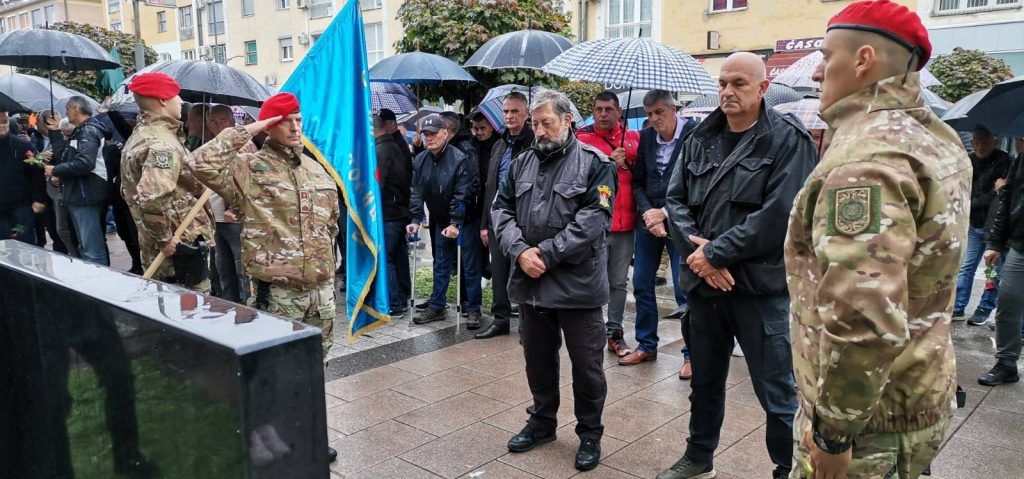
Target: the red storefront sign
(798, 44)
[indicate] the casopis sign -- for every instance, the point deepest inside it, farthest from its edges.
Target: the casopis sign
(797, 45)
(161, 3)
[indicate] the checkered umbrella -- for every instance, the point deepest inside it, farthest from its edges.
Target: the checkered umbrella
(491, 105)
(807, 111)
(393, 96)
(633, 63)
(798, 75)
(775, 95)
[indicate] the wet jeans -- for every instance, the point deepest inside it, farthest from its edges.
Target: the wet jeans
(646, 259)
(969, 266)
(396, 242)
(444, 263)
(89, 222)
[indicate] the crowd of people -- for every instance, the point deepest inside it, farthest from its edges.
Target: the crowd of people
(837, 269)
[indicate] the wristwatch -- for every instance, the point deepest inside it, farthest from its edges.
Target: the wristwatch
(830, 446)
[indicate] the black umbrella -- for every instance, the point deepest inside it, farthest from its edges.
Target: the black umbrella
(1002, 108)
(203, 81)
(956, 115)
(37, 93)
(52, 50)
(523, 49)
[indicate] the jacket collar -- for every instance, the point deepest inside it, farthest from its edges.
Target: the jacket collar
(554, 155)
(716, 123)
(893, 93)
(526, 135)
(151, 119)
(614, 133)
(293, 155)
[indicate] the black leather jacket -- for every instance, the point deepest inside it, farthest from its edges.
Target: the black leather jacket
(560, 203)
(1007, 226)
(445, 183)
(741, 202)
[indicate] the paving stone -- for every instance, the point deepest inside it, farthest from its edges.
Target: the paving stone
(461, 451)
(669, 391)
(395, 468)
(497, 470)
(618, 388)
(514, 419)
(368, 382)
(604, 472)
(444, 384)
(375, 445)
(996, 427)
(650, 454)
(632, 418)
(499, 364)
(746, 458)
(492, 345)
(556, 460)
(511, 390)
(454, 413)
(373, 409)
(332, 401)
(962, 458)
(437, 361)
(667, 365)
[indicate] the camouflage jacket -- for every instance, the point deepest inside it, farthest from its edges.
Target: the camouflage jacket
(159, 190)
(286, 202)
(873, 249)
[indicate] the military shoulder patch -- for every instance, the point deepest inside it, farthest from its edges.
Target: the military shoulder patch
(160, 159)
(604, 192)
(854, 210)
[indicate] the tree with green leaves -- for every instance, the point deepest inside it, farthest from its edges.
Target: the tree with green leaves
(966, 71)
(85, 81)
(456, 29)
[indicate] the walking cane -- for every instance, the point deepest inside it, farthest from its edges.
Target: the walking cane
(178, 232)
(458, 280)
(412, 292)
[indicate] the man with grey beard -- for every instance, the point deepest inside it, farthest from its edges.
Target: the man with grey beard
(552, 215)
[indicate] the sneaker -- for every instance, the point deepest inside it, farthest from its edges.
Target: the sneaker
(429, 316)
(473, 320)
(423, 305)
(398, 312)
(529, 438)
(999, 374)
(684, 468)
(958, 316)
(980, 317)
(588, 455)
(617, 345)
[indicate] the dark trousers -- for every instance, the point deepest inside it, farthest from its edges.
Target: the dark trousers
(501, 307)
(126, 230)
(234, 285)
(761, 325)
(541, 331)
(444, 264)
(19, 223)
(49, 217)
(396, 243)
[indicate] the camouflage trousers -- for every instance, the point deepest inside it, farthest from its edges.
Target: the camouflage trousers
(879, 455)
(314, 307)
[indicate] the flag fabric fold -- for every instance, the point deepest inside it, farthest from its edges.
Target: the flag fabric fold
(332, 86)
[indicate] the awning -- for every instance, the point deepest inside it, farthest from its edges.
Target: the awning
(781, 61)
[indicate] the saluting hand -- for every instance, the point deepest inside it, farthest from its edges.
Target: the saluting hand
(256, 127)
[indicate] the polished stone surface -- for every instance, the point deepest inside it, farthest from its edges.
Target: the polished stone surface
(111, 374)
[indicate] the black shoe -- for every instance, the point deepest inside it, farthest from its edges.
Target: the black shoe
(679, 312)
(473, 320)
(660, 281)
(423, 305)
(684, 468)
(497, 328)
(514, 311)
(958, 316)
(588, 455)
(429, 316)
(398, 312)
(332, 454)
(780, 473)
(528, 439)
(979, 318)
(999, 374)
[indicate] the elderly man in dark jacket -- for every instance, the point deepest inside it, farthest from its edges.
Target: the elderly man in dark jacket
(728, 205)
(443, 179)
(83, 175)
(518, 137)
(22, 188)
(395, 188)
(552, 215)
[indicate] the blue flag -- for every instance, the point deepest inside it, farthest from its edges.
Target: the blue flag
(332, 86)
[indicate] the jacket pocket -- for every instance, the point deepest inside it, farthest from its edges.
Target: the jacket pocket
(697, 182)
(749, 179)
(564, 204)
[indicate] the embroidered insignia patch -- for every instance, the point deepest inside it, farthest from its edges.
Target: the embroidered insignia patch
(161, 159)
(853, 211)
(605, 193)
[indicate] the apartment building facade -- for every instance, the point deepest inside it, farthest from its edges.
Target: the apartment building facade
(993, 26)
(19, 14)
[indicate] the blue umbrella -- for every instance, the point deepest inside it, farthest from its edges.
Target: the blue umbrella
(418, 67)
(1002, 108)
(523, 49)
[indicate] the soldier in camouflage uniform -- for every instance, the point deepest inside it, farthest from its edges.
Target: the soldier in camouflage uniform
(288, 206)
(874, 244)
(158, 188)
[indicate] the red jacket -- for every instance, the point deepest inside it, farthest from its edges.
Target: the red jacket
(624, 211)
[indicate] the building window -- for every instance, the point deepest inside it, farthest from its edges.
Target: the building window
(320, 8)
(51, 14)
(283, 4)
(963, 6)
(727, 5)
(374, 43)
(12, 23)
(626, 18)
(188, 54)
(161, 22)
(248, 8)
(37, 18)
(215, 18)
(115, 26)
(165, 57)
(287, 50)
(185, 28)
(220, 54)
(23, 20)
(370, 4)
(251, 56)
(113, 6)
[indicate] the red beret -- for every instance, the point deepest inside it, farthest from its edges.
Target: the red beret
(154, 85)
(281, 104)
(891, 20)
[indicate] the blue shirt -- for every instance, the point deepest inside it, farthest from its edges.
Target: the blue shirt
(665, 148)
